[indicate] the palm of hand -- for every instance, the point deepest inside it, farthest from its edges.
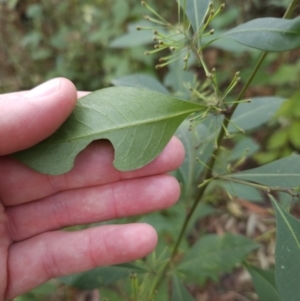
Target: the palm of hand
(34, 207)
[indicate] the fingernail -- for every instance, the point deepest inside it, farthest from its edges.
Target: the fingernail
(44, 89)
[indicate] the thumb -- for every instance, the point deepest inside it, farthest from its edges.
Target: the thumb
(27, 118)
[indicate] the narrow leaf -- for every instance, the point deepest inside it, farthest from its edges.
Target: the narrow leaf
(251, 115)
(179, 291)
(268, 34)
(283, 173)
(195, 10)
(213, 255)
(139, 124)
(228, 45)
(241, 191)
(287, 266)
(141, 81)
(101, 276)
(246, 147)
(264, 283)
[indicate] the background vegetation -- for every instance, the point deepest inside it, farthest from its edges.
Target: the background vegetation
(94, 43)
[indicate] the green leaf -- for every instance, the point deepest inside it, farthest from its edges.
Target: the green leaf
(286, 74)
(196, 145)
(162, 292)
(268, 34)
(141, 81)
(45, 289)
(213, 255)
(134, 37)
(294, 133)
(246, 147)
(287, 254)
(286, 200)
(251, 115)
(283, 173)
(243, 149)
(121, 11)
(195, 10)
(179, 80)
(34, 11)
(229, 45)
(229, 16)
(241, 191)
(179, 291)
(110, 294)
(139, 123)
(101, 276)
(279, 139)
(264, 283)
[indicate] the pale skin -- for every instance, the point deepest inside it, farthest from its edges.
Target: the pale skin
(35, 207)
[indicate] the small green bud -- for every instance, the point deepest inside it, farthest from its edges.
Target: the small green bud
(172, 48)
(146, 53)
(211, 32)
(147, 18)
(237, 73)
(222, 6)
(138, 28)
(155, 32)
(143, 3)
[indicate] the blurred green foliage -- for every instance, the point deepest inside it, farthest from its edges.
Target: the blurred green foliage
(286, 139)
(45, 39)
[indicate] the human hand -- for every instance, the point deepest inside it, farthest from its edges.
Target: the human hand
(34, 207)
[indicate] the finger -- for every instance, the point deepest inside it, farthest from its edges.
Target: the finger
(27, 118)
(53, 254)
(82, 93)
(94, 204)
(93, 167)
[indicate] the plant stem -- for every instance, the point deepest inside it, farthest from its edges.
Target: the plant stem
(290, 9)
(258, 186)
(208, 172)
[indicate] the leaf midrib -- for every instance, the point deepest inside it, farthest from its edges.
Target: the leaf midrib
(261, 29)
(264, 175)
(288, 225)
(140, 123)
